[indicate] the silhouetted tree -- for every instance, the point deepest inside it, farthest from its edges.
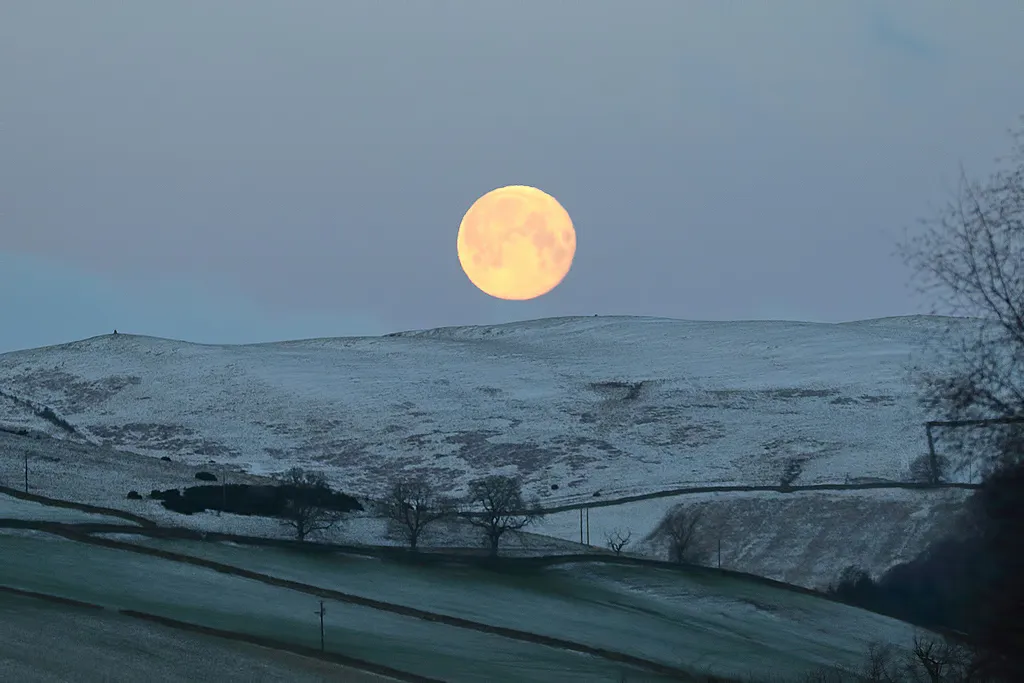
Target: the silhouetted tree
(495, 505)
(616, 540)
(307, 511)
(412, 505)
(969, 259)
(680, 528)
(853, 585)
(997, 598)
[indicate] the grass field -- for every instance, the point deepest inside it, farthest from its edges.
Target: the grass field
(45, 643)
(119, 579)
(688, 620)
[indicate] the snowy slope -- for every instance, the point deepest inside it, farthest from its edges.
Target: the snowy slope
(613, 404)
(804, 537)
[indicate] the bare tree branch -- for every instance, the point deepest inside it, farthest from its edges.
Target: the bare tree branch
(616, 540)
(495, 505)
(680, 528)
(413, 505)
(970, 260)
(308, 509)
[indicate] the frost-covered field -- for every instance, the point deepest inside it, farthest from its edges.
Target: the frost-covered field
(101, 476)
(84, 473)
(15, 508)
(803, 537)
(721, 625)
(610, 404)
(120, 579)
(784, 536)
(45, 643)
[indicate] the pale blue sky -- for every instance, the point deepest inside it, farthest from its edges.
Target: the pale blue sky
(246, 170)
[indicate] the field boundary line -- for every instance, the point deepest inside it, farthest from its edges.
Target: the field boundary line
(402, 610)
(262, 641)
(669, 493)
(81, 507)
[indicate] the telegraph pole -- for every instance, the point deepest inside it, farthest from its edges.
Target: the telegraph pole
(26, 471)
(581, 526)
(588, 525)
(321, 612)
(933, 462)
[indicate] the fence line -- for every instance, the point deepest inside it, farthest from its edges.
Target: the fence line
(668, 493)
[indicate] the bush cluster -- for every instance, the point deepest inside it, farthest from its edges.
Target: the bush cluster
(246, 499)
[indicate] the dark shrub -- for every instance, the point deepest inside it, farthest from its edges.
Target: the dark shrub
(554, 487)
(165, 458)
(247, 499)
(596, 494)
(134, 495)
(206, 476)
(854, 585)
(165, 495)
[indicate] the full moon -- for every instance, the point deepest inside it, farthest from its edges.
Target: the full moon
(516, 242)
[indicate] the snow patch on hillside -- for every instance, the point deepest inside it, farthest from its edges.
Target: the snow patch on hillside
(598, 403)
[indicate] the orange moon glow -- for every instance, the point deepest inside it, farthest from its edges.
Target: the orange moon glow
(516, 243)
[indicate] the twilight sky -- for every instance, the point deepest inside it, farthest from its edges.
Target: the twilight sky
(248, 170)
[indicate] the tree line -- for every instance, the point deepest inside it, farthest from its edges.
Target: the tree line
(494, 505)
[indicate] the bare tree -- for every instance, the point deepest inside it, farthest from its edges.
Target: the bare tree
(970, 260)
(930, 660)
(308, 508)
(884, 664)
(412, 505)
(616, 540)
(680, 528)
(495, 505)
(944, 660)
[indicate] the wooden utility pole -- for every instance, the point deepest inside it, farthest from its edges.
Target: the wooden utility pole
(26, 471)
(581, 526)
(719, 551)
(321, 612)
(588, 525)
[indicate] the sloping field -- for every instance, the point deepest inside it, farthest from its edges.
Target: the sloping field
(801, 537)
(16, 508)
(95, 475)
(45, 643)
(608, 405)
(119, 579)
(720, 624)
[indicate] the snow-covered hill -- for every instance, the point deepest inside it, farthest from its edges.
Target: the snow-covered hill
(609, 404)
